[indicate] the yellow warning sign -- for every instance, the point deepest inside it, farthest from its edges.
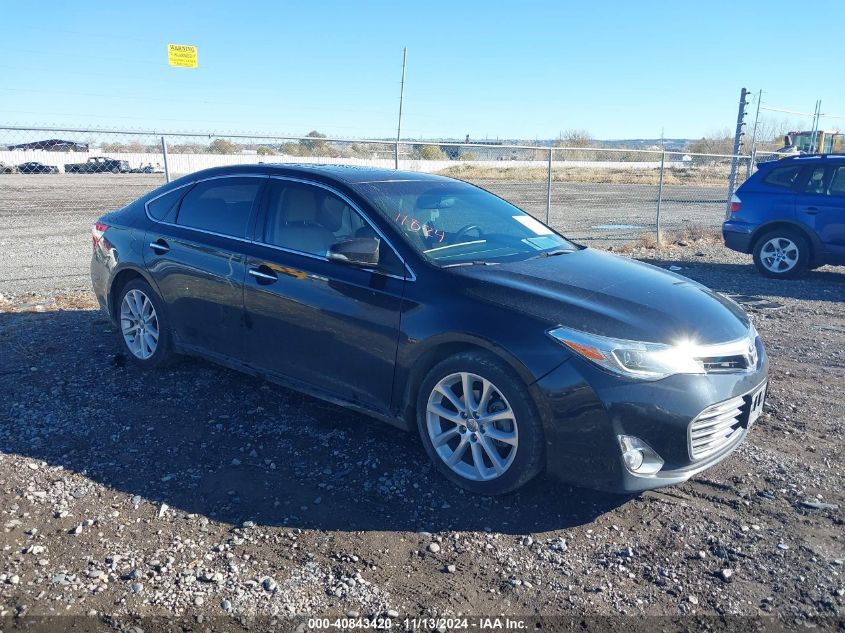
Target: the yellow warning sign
(182, 55)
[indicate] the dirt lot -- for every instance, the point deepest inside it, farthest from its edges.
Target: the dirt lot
(200, 492)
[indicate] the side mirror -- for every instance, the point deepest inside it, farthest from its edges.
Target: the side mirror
(358, 251)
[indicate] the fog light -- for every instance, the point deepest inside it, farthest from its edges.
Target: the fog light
(638, 456)
(633, 459)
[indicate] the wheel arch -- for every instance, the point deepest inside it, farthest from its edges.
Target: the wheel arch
(440, 349)
(118, 283)
(813, 240)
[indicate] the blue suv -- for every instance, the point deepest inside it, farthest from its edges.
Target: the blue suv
(790, 214)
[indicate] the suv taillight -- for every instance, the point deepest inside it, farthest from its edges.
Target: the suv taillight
(736, 203)
(97, 233)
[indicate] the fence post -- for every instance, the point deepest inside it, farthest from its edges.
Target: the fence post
(740, 121)
(401, 99)
(660, 193)
(754, 137)
(549, 187)
(166, 164)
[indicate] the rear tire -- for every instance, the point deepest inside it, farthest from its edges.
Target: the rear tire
(492, 444)
(782, 254)
(143, 324)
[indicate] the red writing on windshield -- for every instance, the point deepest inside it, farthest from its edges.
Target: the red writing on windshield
(412, 224)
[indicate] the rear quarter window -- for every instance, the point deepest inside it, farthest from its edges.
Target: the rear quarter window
(783, 177)
(161, 208)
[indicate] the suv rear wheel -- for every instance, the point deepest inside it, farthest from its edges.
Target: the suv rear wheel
(782, 254)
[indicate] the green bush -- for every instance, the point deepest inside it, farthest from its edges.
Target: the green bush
(429, 152)
(222, 146)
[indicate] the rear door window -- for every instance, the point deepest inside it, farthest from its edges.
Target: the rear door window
(220, 205)
(837, 183)
(782, 176)
(816, 182)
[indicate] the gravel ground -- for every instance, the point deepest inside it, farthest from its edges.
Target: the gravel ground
(201, 492)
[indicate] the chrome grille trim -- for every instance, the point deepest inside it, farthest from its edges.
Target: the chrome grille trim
(715, 427)
(736, 356)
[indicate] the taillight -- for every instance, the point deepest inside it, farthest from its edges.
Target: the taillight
(736, 203)
(97, 233)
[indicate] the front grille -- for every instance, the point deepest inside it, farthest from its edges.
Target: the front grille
(716, 364)
(736, 356)
(715, 427)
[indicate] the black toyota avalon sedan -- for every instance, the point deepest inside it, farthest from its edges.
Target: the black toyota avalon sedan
(437, 307)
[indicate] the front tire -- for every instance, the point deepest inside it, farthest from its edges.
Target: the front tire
(144, 328)
(782, 254)
(489, 443)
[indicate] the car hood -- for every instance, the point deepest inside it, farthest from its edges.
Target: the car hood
(609, 295)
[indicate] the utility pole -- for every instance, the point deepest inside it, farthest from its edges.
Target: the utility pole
(660, 183)
(166, 162)
(740, 122)
(401, 99)
(816, 116)
(549, 185)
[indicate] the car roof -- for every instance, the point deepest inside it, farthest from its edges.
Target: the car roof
(767, 165)
(349, 174)
(809, 157)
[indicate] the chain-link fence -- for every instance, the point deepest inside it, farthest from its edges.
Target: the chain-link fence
(589, 194)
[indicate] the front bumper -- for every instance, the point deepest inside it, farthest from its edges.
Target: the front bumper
(585, 409)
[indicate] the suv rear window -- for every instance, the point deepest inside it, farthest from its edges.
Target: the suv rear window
(782, 176)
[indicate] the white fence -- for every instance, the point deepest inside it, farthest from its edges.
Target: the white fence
(189, 163)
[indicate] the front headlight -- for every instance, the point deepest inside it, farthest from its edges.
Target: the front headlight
(634, 359)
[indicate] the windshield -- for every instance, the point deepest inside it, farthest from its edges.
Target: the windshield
(452, 222)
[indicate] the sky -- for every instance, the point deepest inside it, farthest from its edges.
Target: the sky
(511, 70)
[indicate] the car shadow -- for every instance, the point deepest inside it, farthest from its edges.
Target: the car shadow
(207, 440)
(824, 284)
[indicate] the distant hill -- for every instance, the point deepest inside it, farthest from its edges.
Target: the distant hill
(673, 144)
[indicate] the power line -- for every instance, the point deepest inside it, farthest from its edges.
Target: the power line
(810, 114)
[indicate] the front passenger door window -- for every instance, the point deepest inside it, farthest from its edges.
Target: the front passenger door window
(309, 219)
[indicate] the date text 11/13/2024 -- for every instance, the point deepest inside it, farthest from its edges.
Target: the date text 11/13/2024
(419, 624)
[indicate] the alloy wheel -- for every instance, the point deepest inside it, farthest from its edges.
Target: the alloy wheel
(139, 324)
(472, 427)
(779, 255)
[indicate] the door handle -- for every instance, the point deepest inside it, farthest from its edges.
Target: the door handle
(159, 246)
(811, 210)
(262, 276)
